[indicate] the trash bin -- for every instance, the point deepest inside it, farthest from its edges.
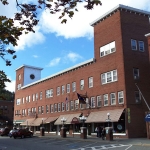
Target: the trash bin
(109, 133)
(42, 131)
(83, 134)
(63, 132)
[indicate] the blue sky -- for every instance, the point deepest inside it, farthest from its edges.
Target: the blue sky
(55, 46)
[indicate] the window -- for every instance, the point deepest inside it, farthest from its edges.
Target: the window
(90, 82)
(29, 111)
(59, 107)
(42, 109)
(26, 99)
(109, 77)
(52, 108)
(58, 90)
(29, 98)
(63, 89)
(36, 96)
(72, 105)
(81, 84)
(137, 97)
(99, 101)
(68, 88)
(23, 100)
(40, 95)
(33, 97)
(73, 86)
(23, 112)
(19, 77)
(120, 97)
(67, 106)
(47, 108)
(133, 44)
(49, 93)
(55, 108)
(93, 102)
(63, 106)
(87, 103)
(141, 46)
(18, 101)
(113, 98)
(106, 100)
(136, 73)
(19, 87)
(39, 110)
(76, 104)
(107, 49)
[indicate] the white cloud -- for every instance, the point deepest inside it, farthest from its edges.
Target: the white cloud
(79, 25)
(10, 86)
(35, 56)
(54, 62)
(73, 56)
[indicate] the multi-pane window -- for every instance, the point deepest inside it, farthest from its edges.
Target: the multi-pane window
(59, 107)
(52, 108)
(23, 112)
(141, 46)
(18, 101)
(113, 98)
(40, 95)
(19, 77)
(68, 88)
(72, 105)
(58, 90)
(137, 97)
(87, 103)
(133, 44)
(93, 102)
(39, 110)
(107, 49)
(36, 96)
(47, 108)
(23, 100)
(33, 97)
(99, 101)
(120, 97)
(63, 89)
(81, 106)
(136, 73)
(81, 84)
(73, 86)
(26, 99)
(106, 100)
(29, 111)
(55, 107)
(67, 106)
(108, 77)
(90, 82)
(29, 98)
(49, 93)
(76, 104)
(19, 86)
(63, 106)
(42, 109)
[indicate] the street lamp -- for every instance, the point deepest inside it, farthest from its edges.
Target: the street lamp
(108, 120)
(6, 123)
(83, 119)
(63, 120)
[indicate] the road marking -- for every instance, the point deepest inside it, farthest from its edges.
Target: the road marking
(128, 147)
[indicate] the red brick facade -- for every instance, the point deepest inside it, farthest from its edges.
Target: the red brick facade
(121, 25)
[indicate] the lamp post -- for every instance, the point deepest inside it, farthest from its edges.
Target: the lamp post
(63, 120)
(83, 119)
(6, 123)
(108, 120)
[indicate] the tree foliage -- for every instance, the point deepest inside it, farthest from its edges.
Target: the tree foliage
(27, 18)
(6, 95)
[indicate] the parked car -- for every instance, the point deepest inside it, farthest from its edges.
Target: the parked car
(11, 132)
(4, 131)
(22, 133)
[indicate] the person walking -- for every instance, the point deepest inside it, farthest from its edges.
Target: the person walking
(97, 131)
(103, 133)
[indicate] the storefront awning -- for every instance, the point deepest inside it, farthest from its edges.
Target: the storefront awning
(101, 116)
(50, 119)
(28, 122)
(18, 121)
(68, 118)
(38, 121)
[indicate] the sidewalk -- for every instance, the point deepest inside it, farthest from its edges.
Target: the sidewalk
(132, 141)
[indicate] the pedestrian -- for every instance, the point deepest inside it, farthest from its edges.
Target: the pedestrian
(97, 131)
(103, 133)
(100, 131)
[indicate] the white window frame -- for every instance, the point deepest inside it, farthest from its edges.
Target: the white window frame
(63, 89)
(93, 103)
(99, 101)
(90, 82)
(58, 90)
(29, 98)
(36, 96)
(26, 99)
(72, 105)
(67, 106)
(141, 46)
(23, 100)
(19, 86)
(42, 109)
(133, 44)
(41, 95)
(39, 109)
(52, 108)
(109, 77)
(105, 99)
(81, 84)
(113, 98)
(63, 106)
(73, 86)
(68, 88)
(107, 49)
(59, 107)
(76, 104)
(18, 101)
(120, 97)
(136, 73)
(33, 97)
(55, 108)
(19, 77)
(87, 103)
(47, 108)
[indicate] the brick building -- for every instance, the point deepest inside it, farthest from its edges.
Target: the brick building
(121, 59)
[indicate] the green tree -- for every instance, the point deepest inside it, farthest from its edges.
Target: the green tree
(27, 17)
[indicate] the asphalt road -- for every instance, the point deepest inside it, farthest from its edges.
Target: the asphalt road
(52, 143)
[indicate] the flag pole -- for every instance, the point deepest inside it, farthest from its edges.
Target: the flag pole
(142, 96)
